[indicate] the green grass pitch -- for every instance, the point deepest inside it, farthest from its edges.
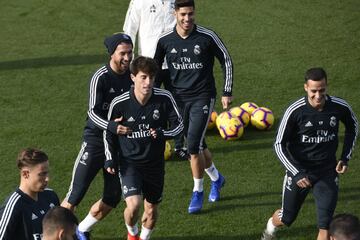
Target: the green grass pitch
(49, 49)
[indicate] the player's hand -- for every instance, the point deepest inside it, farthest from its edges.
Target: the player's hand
(304, 183)
(153, 133)
(341, 167)
(226, 101)
(122, 130)
(109, 166)
(156, 133)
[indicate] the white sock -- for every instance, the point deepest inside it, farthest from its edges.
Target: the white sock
(212, 172)
(270, 228)
(133, 230)
(87, 223)
(145, 233)
(198, 185)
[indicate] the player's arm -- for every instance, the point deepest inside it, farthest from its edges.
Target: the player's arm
(173, 118)
(175, 122)
(159, 58)
(222, 54)
(96, 101)
(132, 20)
(11, 219)
(111, 142)
(283, 136)
(351, 131)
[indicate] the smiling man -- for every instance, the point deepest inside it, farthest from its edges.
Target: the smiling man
(306, 144)
(107, 82)
(190, 51)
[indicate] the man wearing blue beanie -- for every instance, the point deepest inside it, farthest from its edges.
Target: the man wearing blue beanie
(107, 82)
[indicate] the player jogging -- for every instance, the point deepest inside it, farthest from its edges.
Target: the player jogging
(306, 145)
(190, 50)
(108, 82)
(152, 115)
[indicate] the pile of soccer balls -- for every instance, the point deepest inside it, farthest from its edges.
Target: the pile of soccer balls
(231, 123)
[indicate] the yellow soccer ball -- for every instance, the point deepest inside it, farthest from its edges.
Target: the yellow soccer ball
(262, 118)
(249, 107)
(223, 116)
(231, 129)
(241, 114)
(212, 120)
(167, 152)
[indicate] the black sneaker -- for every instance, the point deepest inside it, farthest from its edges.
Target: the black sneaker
(182, 154)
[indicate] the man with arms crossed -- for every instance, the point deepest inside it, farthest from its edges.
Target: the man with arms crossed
(108, 82)
(148, 112)
(306, 145)
(190, 50)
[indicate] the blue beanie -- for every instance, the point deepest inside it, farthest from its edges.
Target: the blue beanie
(113, 41)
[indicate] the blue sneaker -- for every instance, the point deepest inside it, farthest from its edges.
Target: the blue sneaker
(196, 202)
(215, 189)
(82, 235)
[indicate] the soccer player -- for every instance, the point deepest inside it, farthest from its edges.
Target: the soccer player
(108, 82)
(147, 19)
(190, 50)
(345, 227)
(306, 144)
(22, 213)
(59, 223)
(152, 115)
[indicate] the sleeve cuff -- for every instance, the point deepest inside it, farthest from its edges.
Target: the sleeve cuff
(112, 127)
(227, 94)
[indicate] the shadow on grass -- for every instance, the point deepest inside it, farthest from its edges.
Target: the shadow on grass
(252, 199)
(292, 231)
(52, 62)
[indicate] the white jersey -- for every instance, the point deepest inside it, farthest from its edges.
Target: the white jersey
(148, 19)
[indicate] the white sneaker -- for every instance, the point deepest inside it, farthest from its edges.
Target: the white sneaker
(267, 236)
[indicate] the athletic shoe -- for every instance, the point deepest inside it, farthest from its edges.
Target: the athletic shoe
(196, 202)
(267, 236)
(182, 154)
(215, 189)
(82, 235)
(131, 237)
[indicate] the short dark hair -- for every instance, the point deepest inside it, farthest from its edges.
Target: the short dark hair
(58, 217)
(29, 157)
(315, 74)
(346, 226)
(184, 3)
(144, 64)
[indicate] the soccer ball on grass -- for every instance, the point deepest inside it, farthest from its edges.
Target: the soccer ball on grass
(262, 118)
(231, 129)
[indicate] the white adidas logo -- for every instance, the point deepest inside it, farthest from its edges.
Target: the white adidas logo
(33, 217)
(205, 107)
(308, 124)
(131, 119)
(173, 50)
(111, 90)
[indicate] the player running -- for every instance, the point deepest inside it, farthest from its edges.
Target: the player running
(306, 144)
(190, 51)
(152, 115)
(108, 82)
